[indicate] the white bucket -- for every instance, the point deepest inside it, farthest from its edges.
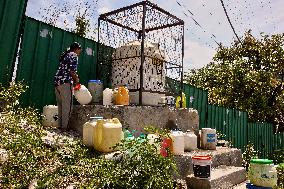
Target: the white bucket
(202, 166)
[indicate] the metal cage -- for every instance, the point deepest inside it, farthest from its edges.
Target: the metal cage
(147, 23)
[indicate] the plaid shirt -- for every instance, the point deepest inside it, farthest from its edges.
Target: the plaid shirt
(69, 63)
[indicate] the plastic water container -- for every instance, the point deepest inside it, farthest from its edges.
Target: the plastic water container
(96, 89)
(178, 142)
(122, 96)
(166, 146)
(208, 139)
(82, 95)
(183, 98)
(50, 116)
(108, 132)
(89, 131)
(190, 141)
(107, 96)
(202, 166)
(262, 172)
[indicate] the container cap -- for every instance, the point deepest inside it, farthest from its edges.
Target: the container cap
(261, 161)
(95, 81)
(202, 157)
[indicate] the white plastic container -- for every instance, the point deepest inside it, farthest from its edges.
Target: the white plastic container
(178, 142)
(50, 116)
(83, 95)
(96, 89)
(89, 131)
(107, 96)
(108, 132)
(208, 139)
(263, 173)
(202, 166)
(190, 141)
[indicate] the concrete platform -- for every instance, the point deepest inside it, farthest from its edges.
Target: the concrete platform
(220, 156)
(223, 177)
(137, 117)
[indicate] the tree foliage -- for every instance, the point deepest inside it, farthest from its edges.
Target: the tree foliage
(80, 22)
(247, 76)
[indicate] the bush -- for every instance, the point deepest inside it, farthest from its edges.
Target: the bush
(54, 159)
(280, 175)
(248, 154)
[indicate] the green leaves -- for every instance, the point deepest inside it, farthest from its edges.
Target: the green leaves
(246, 76)
(55, 159)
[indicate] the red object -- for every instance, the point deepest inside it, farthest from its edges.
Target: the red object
(77, 87)
(202, 157)
(166, 144)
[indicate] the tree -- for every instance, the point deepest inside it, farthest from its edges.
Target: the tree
(245, 76)
(84, 13)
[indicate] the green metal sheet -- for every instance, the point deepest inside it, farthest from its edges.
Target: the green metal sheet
(41, 47)
(11, 14)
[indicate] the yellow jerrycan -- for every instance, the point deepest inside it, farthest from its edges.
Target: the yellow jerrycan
(108, 132)
(183, 101)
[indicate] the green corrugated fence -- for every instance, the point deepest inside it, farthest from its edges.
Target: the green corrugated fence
(229, 122)
(11, 14)
(263, 138)
(198, 99)
(41, 47)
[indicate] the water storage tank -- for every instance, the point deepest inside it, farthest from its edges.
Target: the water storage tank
(50, 116)
(125, 71)
(82, 95)
(108, 132)
(208, 139)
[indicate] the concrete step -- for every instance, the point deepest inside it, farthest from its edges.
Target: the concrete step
(222, 177)
(220, 156)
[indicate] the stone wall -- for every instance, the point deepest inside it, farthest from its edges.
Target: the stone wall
(137, 117)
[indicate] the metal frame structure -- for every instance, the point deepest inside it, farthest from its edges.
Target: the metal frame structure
(142, 21)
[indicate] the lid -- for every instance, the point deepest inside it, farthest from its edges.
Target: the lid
(201, 157)
(96, 118)
(95, 81)
(261, 161)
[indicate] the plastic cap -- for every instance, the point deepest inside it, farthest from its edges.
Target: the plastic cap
(261, 161)
(95, 81)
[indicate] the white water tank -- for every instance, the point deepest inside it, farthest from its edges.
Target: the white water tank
(50, 116)
(178, 142)
(208, 139)
(83, 95)
(190, 141)
(107, 96)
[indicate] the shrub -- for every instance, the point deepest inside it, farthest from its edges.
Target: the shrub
(54, 159)
(248, 154)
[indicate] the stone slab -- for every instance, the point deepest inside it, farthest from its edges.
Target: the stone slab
(137, 117)
(220, 156)
(223, 177)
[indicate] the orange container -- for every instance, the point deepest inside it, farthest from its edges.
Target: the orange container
(122, 96)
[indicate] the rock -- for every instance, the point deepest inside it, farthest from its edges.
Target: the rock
(3, 156)
(33, 184)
